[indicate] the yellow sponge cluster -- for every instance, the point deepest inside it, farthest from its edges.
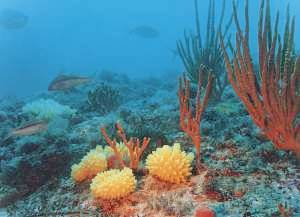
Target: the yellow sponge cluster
(170, 164)
(113, 184)
(90, 165)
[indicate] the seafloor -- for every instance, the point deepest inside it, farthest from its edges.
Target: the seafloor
(244, 175)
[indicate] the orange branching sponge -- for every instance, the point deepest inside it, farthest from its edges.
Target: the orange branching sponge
(170, 164)
(191, 124)
(113, 184)
(284, 212)
(91, 164)
(272, 95)
(134, 147)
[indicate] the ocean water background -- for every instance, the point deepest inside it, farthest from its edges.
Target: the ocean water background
(85, 37)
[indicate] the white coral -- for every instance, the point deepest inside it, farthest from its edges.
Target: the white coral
(47, 109)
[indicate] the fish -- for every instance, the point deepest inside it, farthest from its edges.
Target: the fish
(28, 129)
(66, 82)
(12, 19)
(145, 32)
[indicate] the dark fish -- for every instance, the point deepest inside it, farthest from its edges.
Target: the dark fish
(12, 19)
(66, 82)
(145, 32)
(29, 129)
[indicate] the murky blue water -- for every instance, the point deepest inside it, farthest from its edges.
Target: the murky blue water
(87, 37)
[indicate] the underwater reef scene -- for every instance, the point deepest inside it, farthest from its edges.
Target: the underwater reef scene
(221, 139)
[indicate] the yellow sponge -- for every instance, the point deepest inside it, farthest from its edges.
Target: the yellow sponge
(170, 164)
(113, 184)
(90, 165)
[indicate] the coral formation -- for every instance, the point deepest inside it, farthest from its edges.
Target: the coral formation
(103, 99)
(91, 164)
(170, 164)
(112, 161)
(47, 109)
(122, 149)
(271, 96)
(133, 145)
(243, 175)
(113, 184)
(196, 52)
(191, 124)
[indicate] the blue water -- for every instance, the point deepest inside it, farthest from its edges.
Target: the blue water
(85, 37)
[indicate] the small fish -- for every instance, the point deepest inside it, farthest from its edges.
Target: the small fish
(145, 32)
(12, 19)
(66, 82)
(28, 129)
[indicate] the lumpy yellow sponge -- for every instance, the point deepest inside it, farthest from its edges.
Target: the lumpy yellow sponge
(113, 184)
(90, 165)
(170, 164)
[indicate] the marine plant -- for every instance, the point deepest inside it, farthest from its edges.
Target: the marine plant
(103, 99)
(170, 164)
(271, 96)
(113, 184)
(190, 123)
(134, 146)
(196, 52)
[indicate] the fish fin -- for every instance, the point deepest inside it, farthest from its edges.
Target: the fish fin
(61, 76)
(32, 122)
(7, 137)
(58, 78)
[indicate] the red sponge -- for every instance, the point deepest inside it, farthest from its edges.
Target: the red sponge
(204, 212)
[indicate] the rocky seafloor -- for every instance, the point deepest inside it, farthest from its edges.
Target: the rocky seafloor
(244, 174)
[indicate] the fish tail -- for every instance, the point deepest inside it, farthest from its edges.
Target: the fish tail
(7, 137)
